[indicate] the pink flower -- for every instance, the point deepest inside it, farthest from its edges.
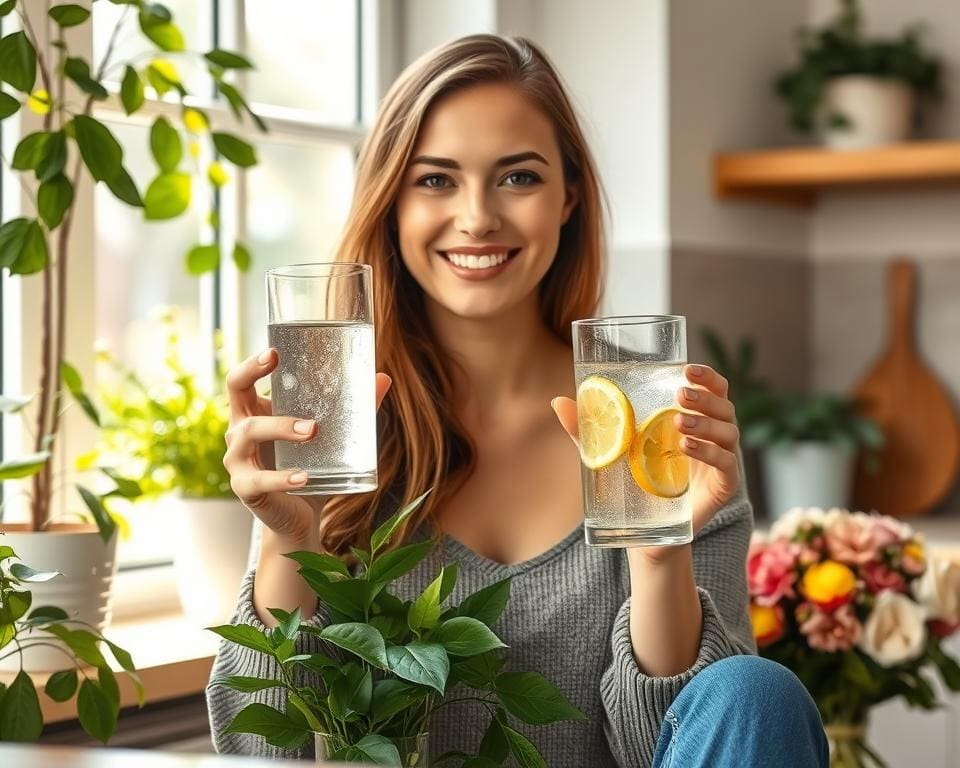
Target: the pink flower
(829, 632)
(849, 539)
(879, 577)
(771, 571)
(887, 530)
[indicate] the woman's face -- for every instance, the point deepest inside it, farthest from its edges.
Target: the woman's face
(482, 202)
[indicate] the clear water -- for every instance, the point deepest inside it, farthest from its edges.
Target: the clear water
(618, 512)
(326, 373)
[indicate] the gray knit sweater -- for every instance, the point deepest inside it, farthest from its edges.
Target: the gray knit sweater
(568, 619)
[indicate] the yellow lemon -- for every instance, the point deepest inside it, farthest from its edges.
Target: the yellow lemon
(656, 462)
(194, 120)
(39, 102)
(217, 175)
(605, 419)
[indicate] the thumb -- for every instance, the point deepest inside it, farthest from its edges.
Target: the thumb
(566, 410)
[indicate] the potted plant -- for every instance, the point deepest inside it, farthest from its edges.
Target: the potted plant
(854, 91)
(84, 671)
(169, 432)
(61, 89)
(396, 663)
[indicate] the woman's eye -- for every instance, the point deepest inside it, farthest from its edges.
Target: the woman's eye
(522, 179)
(433, 181)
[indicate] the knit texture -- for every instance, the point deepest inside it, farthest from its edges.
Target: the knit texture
(568, 619)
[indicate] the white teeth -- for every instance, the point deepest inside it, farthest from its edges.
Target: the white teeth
(471, 261)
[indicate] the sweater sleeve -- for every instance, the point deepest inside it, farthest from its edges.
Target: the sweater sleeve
(224, 703)
(635, 703)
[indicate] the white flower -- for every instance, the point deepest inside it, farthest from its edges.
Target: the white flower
(895, 631)
(790, 521)
(938, 589)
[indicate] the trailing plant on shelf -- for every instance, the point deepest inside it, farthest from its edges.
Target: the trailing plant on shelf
(87, 674)
(398, 661)
(73, 142)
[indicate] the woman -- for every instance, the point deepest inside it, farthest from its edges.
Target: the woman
(478, 206)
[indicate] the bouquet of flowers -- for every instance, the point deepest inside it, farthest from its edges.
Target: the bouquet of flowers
(858, 608)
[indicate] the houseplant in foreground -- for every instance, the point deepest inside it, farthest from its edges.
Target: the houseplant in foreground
(396, 663)
(858, 608)
(87, 674)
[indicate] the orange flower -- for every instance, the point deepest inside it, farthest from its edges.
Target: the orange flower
(768, 623)
(828, 585)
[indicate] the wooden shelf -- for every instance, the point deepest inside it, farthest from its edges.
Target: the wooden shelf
(794, 176)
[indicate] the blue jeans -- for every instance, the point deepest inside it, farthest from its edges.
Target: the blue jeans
(742, 712)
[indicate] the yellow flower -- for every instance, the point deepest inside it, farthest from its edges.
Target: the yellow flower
(828, 584)
(39, 102)
(768, 623)
(195, 121)
(166, 69)
(217, 175)
(194, 149)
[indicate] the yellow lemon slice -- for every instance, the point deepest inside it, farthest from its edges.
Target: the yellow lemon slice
(656, 461)
(605, 418)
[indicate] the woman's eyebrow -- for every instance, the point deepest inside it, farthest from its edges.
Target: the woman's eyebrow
(446, 162)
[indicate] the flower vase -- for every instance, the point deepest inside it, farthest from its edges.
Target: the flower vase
(413, 750)
(848, 746)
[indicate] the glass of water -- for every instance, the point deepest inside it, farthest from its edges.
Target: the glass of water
(321, 324)
(635, 476)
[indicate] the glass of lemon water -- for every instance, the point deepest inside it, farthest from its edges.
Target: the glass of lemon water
(635, 476)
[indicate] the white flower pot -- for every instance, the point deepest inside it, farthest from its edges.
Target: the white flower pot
(807, 474)
(88, 566)
(213, 543)
(879, 111)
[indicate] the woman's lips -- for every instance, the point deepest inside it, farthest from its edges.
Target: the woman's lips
(478, 272)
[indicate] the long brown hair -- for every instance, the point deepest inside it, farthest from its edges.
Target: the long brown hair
(422, 443)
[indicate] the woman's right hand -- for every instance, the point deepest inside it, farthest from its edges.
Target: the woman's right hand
(250, 457)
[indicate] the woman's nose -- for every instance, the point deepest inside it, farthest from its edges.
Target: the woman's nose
(476, 216)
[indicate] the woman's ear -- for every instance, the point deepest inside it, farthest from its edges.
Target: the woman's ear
(570, 202)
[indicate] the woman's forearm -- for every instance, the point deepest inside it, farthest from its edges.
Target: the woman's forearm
(278, 584)
(665, 615)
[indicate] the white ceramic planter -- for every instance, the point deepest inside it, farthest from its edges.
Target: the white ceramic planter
(213, 544)
(807, 474)
(88, 566)
(879, 111)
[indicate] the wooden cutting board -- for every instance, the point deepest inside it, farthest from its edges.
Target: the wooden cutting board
(921, 458)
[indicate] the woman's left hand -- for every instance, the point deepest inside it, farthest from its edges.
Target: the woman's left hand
(710, 439)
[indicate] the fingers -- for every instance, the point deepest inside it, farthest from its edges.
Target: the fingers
(723, 433)
(240, 383)
(705, 376)
(244, 437)
(566, 410)
(253, 488)
(714, 455)
(384, 383)
(706, 402)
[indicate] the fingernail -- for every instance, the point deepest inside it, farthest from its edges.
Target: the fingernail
(553, 403)
(298, 477)
(303, 427)
(690, 445)
(691, 394)
(689, 421)
(696, 370)
(265, 356)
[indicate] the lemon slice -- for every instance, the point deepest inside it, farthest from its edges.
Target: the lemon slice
(656, 461)
(605, 418)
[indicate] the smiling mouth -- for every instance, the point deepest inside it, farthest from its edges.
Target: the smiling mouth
(483, 261)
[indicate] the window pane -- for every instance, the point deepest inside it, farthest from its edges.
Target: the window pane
(305, 52)
(298, 200)
(193, 17)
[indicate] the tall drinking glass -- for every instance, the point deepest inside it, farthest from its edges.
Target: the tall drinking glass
(321, 324)
(635, 477)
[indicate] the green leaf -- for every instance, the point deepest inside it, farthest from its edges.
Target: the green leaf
(360, 639)
(54, 160)
(165, 144)
(534, 699)
(487, 604)
(6, 552)
(7, 7)
(78, 70)
(393, 564)
(425, 611)
(316, 662)
(391, 696)
(20, 716)
(351, 597)
(100, 150)
(167, 196)
(290, 623)
(278, 729)
(244, 635)
(319, 561)
(7, 633)
(81, 642)
(61, 685)
(241, 257)
(69, 15)
(8, 105)
(466, 636)
(96, 711)
(108, 684)
(524, 752)
(202, 259)
(26, 574)
(246, 684)
(131, 90)
(18, 62)
(53, 199)
(227, 59)
(126, 488)
(23, 246)
(18, 603)
(25, 466)
(450, 573)
(235, 149)
(477, 671)
(494, 744)
(421, 663)
(71, 377)
(351, 692)
(101, 517)
(124, 188)
(378, 750)
(47, 613)
(157, 24)
(30, 151)
(383, 534)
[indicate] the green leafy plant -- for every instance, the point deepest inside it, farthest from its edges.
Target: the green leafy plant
(840, 48)
(88, 675)
(169, 432)
(50, 163)
(400, 662)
